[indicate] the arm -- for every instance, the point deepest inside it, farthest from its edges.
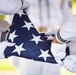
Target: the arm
(65, 34)
(4, 26)
(67, 31)
(9, 7)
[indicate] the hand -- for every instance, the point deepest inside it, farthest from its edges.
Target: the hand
(58, 51)
(3, 46)
(25, 5)
(70, 63)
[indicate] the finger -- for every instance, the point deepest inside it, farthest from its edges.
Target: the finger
(59, 61)
(69, 64)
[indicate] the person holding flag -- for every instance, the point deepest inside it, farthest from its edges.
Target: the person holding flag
(39, 50)
(65, 34)
(13, 7)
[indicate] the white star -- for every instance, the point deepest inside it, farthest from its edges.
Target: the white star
(28, 25)
(12, 36)
(36, 39)
(21, 13)
(44, 54)
(19, 49)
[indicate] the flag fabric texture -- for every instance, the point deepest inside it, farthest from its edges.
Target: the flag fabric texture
(28, 42)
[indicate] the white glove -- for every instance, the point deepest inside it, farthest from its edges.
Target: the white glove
(3, 46)
(25, 5)
(10, 7)
(58, 51)
(70, 63)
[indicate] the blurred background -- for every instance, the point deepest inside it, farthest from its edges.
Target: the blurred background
(44, 23)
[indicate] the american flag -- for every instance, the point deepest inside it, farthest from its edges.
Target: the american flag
(29, 43)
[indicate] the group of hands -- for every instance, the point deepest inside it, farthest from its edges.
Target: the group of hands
(57, 50)
(59, 53)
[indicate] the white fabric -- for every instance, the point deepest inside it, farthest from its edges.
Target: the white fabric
(31, 67)
(58, 51)
(10, 7)
(72, 47)
(68, 30)
(25, 4)
(70, 63)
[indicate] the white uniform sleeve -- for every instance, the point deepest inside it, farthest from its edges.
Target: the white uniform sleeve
(9, 7)
(67, 31)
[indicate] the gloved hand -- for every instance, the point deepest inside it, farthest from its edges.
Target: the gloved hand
(3, 46)
(25, 5)
(58, 51)
(70, 63)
